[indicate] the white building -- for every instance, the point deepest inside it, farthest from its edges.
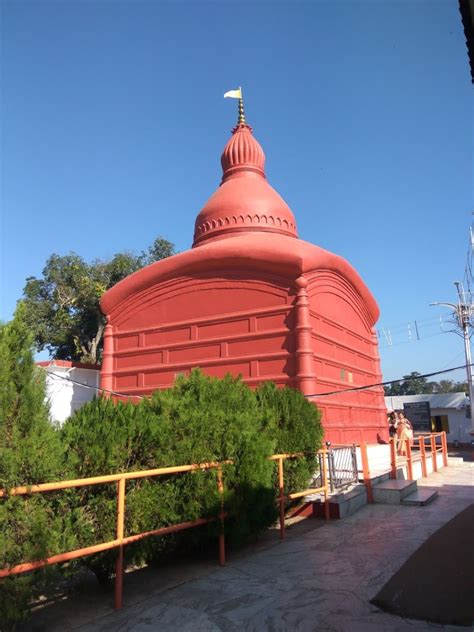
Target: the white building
(69, 385)
(449, 412)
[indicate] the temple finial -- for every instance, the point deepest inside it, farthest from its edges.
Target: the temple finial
(237, 94)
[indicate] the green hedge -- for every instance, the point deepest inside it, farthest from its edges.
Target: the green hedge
(200, 419)
(31, 527)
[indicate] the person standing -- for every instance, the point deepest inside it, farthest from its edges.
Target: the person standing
(404, 432)
(392, 427)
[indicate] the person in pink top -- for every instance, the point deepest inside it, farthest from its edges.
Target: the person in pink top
(404, 432)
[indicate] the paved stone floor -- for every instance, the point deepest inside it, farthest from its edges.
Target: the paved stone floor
(322, 579)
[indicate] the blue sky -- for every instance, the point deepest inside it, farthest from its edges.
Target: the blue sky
(113, 122)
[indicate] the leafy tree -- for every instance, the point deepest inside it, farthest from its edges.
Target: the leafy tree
(412, 384)
(448, 386)
(31, 527)
(62, 307)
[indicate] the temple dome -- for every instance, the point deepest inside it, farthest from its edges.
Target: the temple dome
(244, 202)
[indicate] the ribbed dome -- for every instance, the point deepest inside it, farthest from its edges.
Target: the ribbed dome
(242, 152)
(244, 201)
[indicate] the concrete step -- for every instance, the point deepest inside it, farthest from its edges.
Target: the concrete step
(342, 504)
(392, 492)
(420, 497)
(375, 478)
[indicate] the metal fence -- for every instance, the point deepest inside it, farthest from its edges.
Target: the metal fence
(341, 464)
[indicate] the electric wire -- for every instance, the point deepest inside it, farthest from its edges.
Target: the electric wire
(403, 379)
(347, 390)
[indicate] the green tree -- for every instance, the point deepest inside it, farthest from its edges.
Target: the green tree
(448, 386)
(412, 384)
(62, 307)
(31, 527)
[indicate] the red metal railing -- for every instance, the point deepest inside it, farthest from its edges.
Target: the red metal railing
(121, 540)
(426, 446)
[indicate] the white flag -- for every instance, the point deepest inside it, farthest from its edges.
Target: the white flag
(234, 94)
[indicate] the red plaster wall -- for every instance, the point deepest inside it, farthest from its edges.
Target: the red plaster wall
(231, 323)
(345, 356)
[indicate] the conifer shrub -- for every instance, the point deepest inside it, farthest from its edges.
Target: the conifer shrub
(35, 526)
(200, 419)
(298, 429)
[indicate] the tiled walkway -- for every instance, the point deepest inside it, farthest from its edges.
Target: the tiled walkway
(321, 580)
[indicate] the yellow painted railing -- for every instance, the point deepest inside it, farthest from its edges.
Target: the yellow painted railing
(121, 540)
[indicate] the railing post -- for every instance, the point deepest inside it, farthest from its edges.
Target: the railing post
(120, 531)
(220, 487)
(424, 471)
(281, 497)
(409, 460)
(366, 471)
(393, 458)
(325, 481)
(444, 443)
(434, 456)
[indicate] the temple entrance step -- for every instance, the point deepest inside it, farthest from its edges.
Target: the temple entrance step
(379, 478)
(392, 492)
(342, 504)
(420, 497)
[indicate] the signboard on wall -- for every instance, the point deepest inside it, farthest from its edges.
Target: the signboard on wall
(419, 414)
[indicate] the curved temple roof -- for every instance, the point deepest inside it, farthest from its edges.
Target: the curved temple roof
(244, 225)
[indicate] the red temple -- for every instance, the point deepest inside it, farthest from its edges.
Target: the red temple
(250, 298)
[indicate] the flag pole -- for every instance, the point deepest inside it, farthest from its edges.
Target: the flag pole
(241, 119)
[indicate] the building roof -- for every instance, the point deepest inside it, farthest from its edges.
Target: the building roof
(439, 400)
(66, 364)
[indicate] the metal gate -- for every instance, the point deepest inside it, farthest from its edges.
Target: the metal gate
(342, 467)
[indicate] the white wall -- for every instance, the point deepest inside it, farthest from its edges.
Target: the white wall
(459, 424)
(65, 396)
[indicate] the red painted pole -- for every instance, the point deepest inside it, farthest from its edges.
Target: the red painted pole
(434, 456)
(424, 471)
(393, 458)
(220, 487)
(325, 483)
(444, 443)
(409, 460)
(366, 471)
(281, 490)
(120, 532)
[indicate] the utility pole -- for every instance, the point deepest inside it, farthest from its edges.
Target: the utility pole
(462, 313)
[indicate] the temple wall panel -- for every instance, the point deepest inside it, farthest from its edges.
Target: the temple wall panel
(233, 326)
(345, 357)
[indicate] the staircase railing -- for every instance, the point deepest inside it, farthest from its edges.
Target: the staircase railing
(422, 447)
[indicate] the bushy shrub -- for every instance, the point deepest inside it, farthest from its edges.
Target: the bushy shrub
(298, 430)
(200, 419)
(31, 527)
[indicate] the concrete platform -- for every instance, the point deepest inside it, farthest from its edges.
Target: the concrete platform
(343, 504)
(392, 492)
